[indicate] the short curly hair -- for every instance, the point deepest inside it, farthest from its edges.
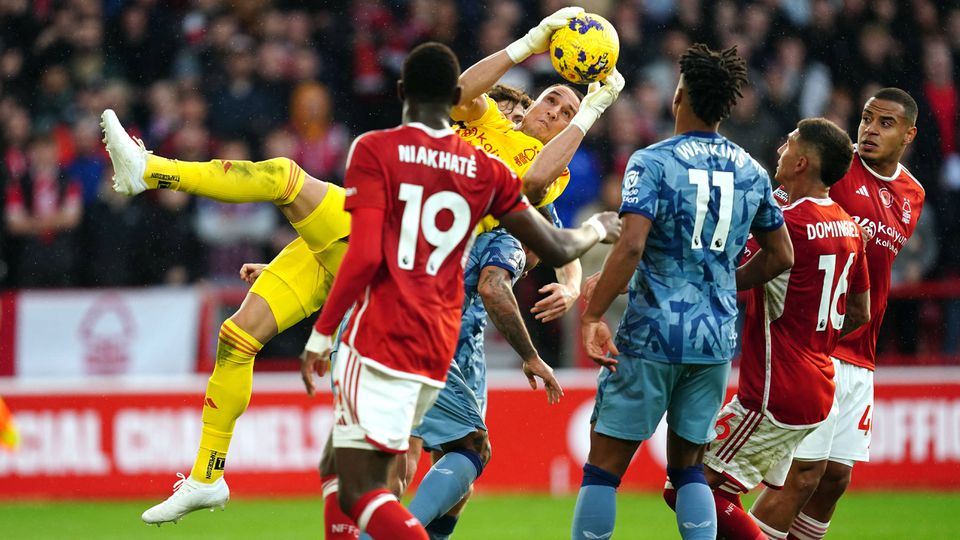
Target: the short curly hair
(713, 80)
(431, 73)
(505, 92)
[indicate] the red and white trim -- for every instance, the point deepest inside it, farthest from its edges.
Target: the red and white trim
(364, 518)
(739, 436)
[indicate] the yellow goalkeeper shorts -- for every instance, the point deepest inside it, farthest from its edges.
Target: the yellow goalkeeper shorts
(297, 281)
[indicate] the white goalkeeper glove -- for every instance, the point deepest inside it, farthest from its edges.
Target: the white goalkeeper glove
(537, 40)
(599, 97)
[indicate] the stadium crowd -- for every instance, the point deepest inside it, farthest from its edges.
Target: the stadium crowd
(255, 79)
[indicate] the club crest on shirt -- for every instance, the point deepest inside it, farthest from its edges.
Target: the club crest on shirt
(906, 212)
(886, 197)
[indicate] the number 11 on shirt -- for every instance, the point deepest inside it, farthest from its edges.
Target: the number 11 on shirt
(724, 181)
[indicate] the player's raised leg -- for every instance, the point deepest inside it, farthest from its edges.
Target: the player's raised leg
(313, 207)
(136, 170)
(291, 287)
(227, 396)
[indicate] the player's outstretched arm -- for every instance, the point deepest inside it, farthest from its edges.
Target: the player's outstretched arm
(858, 312)
(617, 270)
(774, 258)
(556, 154)
(359, 265)
(557, 247)
(484, 74)
(496, 291)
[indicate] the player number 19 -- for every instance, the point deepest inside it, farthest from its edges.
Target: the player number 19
(421, 216)
(724, 181)
(830, 302)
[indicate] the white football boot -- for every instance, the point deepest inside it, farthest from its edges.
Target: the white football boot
(127, 153)
(188, 496)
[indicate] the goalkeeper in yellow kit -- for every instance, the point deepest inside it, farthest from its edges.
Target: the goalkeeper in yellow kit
(296, 283)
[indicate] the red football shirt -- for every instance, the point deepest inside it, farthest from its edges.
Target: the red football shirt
(887, 208)
(434, 188)
(793, 322)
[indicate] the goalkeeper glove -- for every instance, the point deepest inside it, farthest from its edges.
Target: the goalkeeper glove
(537, 40)
(598, 98)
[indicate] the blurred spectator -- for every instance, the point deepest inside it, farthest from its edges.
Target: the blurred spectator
(914, 262)
(241, 107)
(233, 234)
(322, 144)
(753, 128)
(939, 153)
(90, 161)
(16, 134)
(142, 44)
(43, 210)
(169, 245)
(111, 229)
(279, 78)
(164, 113)
(876, 60)
(54, 98)
(664, 71)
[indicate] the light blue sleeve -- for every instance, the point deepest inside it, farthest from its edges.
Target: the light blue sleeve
(641, 185)
(504, 251)
(769, 216)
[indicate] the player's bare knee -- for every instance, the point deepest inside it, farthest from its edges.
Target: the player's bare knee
(483, 447)
(255, 318)
(835, 480)
(807, 476)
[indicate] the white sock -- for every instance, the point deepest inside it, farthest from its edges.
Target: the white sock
(807, 528)
(771, 533)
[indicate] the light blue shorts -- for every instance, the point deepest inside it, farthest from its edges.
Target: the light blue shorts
(631, 402)
(336, 343)
(458, 411)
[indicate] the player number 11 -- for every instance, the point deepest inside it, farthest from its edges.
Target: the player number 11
(421, 216)
(724, 181)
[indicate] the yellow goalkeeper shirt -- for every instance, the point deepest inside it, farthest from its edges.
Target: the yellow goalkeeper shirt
(496, 135)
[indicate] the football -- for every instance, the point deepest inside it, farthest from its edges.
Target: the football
(585, 50)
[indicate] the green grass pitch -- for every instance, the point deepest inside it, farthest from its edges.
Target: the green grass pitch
(893, 515)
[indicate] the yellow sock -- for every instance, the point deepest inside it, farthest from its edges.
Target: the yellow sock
(277, 180)
(228, 393)
(327, 223)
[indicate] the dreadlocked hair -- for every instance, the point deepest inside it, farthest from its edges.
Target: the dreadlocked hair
(712, 80)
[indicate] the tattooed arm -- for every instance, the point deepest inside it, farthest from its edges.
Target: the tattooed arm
(496, 291)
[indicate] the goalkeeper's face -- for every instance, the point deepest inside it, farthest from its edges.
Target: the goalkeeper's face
(550, 113)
